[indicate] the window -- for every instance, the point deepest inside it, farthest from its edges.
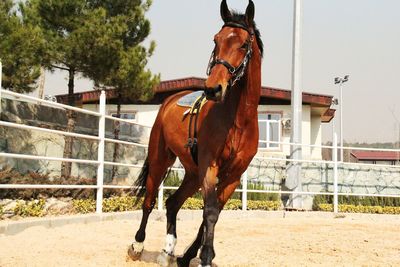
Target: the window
(269, 125)
(126, 115)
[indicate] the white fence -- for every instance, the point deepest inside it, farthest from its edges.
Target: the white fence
(100, 162)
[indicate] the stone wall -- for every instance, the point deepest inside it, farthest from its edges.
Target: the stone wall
(13, 140)
(318, 177)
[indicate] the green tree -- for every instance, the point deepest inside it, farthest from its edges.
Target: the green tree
(21, 49)
(101, 40)
(122, 27)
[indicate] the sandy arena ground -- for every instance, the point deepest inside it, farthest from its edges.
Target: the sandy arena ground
(299, 239)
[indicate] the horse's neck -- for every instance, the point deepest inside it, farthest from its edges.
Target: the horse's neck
(248, 96)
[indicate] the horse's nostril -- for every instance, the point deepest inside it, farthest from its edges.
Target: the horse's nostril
(209, 93)
(212, 92)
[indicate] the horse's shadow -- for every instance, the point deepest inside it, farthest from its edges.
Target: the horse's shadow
(151, 257)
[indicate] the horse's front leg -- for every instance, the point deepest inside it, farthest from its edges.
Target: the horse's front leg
(210, 213)
(189, 186)
(225, 190)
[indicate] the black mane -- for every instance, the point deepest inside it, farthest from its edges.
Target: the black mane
(241, 19)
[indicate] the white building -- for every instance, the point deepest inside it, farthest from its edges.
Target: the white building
(274, 113)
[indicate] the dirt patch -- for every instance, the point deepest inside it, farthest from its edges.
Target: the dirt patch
(298, 239)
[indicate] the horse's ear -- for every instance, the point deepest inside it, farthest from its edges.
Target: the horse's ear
(250, 10)
(225, 12)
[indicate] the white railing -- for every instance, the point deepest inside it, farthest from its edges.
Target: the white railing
(100, 162)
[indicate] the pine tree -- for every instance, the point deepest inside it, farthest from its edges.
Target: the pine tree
(22, 47)
(99, 39)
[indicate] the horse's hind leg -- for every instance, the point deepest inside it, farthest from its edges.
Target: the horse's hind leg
(159, 161)
(189, 186)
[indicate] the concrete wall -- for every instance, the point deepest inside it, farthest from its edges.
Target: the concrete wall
(146, 114)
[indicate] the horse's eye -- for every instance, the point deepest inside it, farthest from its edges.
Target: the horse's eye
(245, 46)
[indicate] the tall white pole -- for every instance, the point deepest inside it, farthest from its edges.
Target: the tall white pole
(294, 181)
(335, 175)
(341, 121)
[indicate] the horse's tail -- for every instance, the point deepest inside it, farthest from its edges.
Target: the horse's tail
(139, 188)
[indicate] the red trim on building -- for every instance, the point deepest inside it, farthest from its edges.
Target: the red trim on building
(194, 83)
(376, 155)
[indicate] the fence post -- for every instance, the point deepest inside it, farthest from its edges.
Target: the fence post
(335, 174)
(244, 192)
(100, 153)
(160, 198)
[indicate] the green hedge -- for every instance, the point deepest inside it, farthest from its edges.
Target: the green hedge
(116, 204)
(358, 201)
(234, 204)
(360, 209)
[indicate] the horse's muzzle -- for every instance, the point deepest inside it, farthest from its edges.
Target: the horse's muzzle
(213, 93)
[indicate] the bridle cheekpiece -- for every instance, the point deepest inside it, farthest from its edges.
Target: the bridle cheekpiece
(236, 72)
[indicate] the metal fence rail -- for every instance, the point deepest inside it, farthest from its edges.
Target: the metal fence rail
(100, 162)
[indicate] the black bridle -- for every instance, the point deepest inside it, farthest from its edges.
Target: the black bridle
(236, 72)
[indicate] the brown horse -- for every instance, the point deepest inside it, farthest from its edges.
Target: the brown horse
(227, 137)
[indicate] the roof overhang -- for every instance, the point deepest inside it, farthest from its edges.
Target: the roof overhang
(269, 95)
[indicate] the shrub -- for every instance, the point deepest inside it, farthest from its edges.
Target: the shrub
(34, 208)
(233, 204)
(1, 210)
(84, 205)
(115, 204)
(193, 204)
(263, 205)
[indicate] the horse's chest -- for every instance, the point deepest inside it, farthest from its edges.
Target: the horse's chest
(233, 144)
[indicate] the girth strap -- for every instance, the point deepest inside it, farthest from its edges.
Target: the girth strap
(192, 139)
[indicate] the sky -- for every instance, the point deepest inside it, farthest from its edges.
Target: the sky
(360, 38)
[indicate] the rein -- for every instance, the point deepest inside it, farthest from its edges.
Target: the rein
(236, 72)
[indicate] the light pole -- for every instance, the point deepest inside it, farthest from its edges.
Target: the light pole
(294, 180)
(398, 141)
(341, 81)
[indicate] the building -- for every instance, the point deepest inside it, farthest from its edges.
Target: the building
(376, 157)
(274, 112)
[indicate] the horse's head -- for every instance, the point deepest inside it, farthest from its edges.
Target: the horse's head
(233, 50)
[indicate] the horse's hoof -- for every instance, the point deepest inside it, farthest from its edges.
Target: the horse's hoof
(166, 260)
(135, 251)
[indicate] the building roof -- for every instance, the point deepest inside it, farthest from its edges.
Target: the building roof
(376, 155)
(194, 83)
(269, 95)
